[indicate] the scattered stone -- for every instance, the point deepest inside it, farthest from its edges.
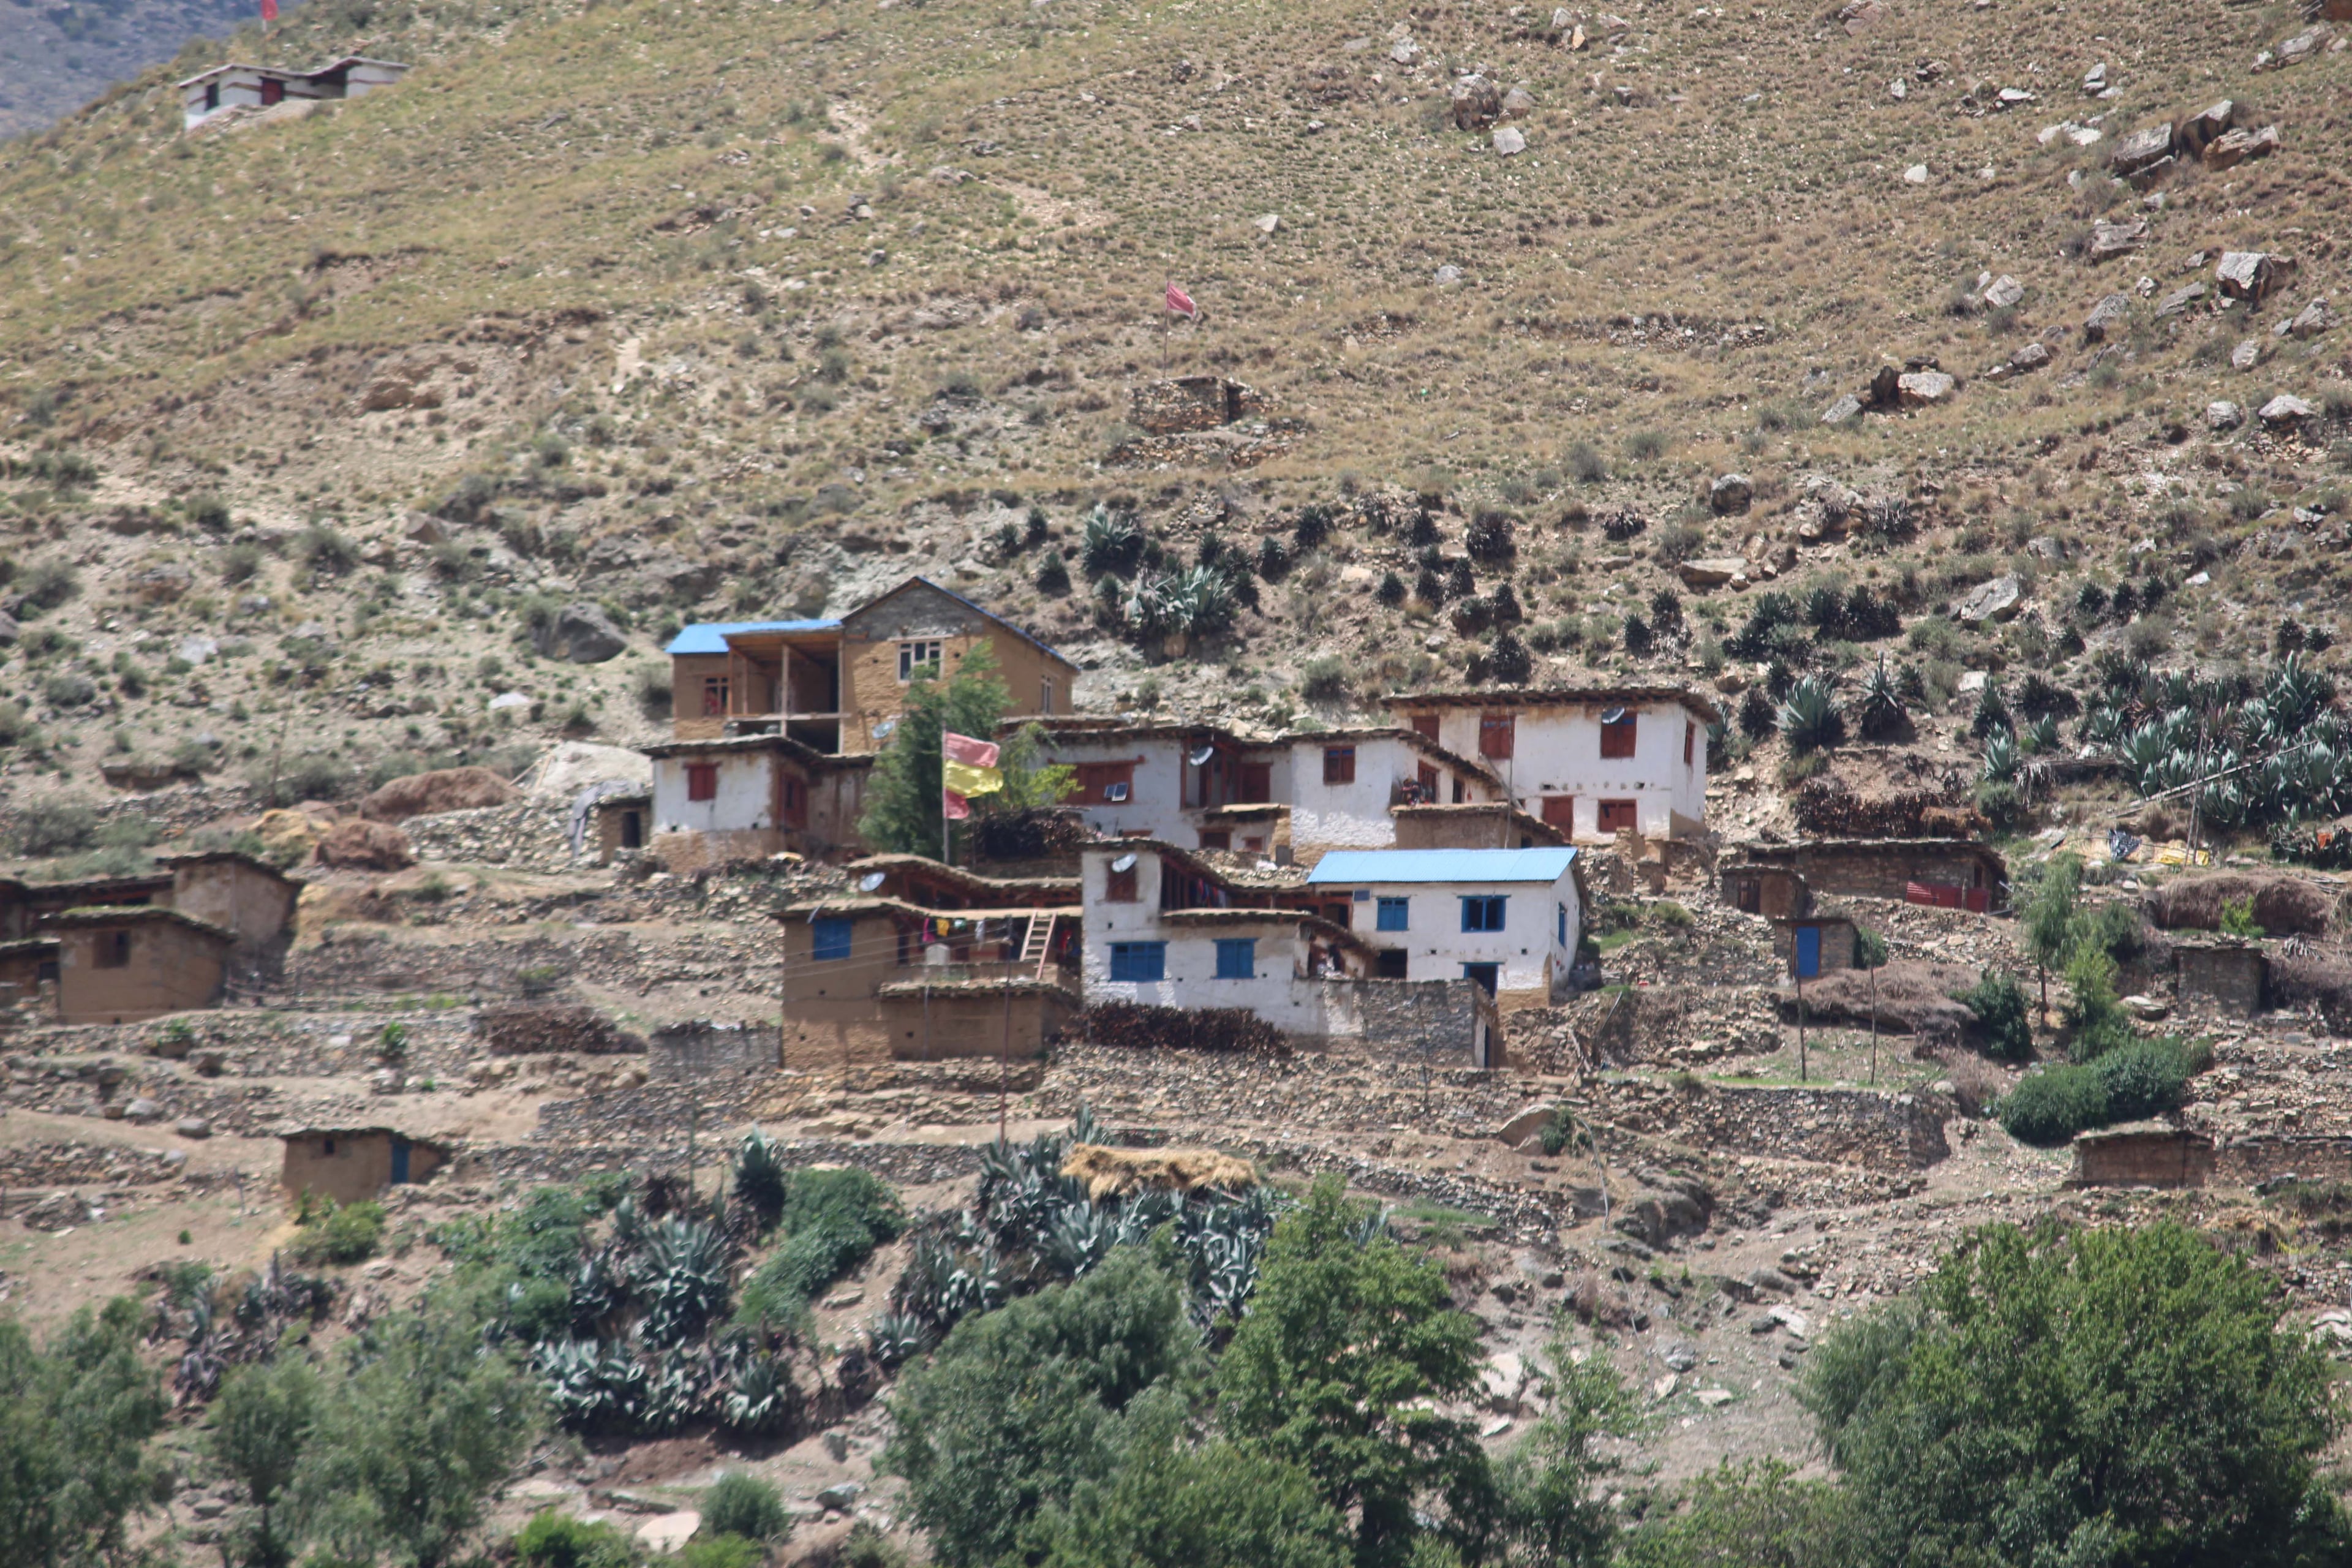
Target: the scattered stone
(841, 1300)
(666, 1532)
(1730, 493)
(2286, 412)
(1844, 409)
(2012, 97)
(1917, 174)
(143, 1112)
(1793, 1320)
(2312, 320)
(1714, 1398)
(2104, 317)
(1898, 90)
(2192, 136)
(2095, 80)
(1858, 16)
(1995, 600)
(57, 1212)
(1924, 388)
(2003, 292)
(2247, 354)
(1449, 273)
(2297, 49)
(2142, 151)
(1509, 143)
(2253, 275)
(1518, 103)
(1477, 102)
(2181, 298)
(1268, 223)
(581, 632)
(506, 700)
(1680, 1356)
(2224, 415)
(1405, 52)
(1713, 572)
(840, 1497)
(2032, 357)
(1664, 1388)
(192, 1127)
(2109, 240)
(2241, 146)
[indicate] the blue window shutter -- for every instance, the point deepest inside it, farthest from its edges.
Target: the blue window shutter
(1395, 914)
(829, 939)
(1563, 925)
(1139, 961)
(1237, 958)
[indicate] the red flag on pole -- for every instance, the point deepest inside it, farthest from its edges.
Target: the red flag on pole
(269, 10)
(1180, 303)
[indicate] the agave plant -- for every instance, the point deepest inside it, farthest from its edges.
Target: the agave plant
(591, 1385)
(758, 1395)
(1112, 542)
(2040, 737)
(1809, 720)
(678, 1279)
(2000, 757)
(760, 1179)
(1879, 713)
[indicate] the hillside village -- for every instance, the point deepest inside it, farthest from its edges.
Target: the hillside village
(1690, 685)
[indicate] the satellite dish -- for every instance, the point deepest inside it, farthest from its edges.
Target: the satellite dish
(1123, 863)
(1200, 758)
(882, 730)
(1611, 715)
(871, 881)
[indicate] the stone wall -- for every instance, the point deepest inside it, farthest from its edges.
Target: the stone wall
(701, 1050)
(2143, 1157)
(2244, 1161)
(1410, 1021)
(2231, 977)
(535, 834)
(1337, 1091)
(1860, 1127)
(529, 1030)
(1192, 402)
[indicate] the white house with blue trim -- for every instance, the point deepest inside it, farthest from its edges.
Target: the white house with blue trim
(1509, 920)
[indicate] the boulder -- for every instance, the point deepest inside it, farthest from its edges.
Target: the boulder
(2109, 240)
(2192, 136)
(1509, 143)
(2032, 357)
(1843, 409)
(2286, 412)
(192, 1127)
(2312, 320)
(1924, 388)
(1917, 174)
(2241, 146)
(666, 1533)
(1730, 493)
(2142, 151)
(1995, 600)
(2247, 354)
(2253, 275)
(1405, 52)
(446, 789)
(365, 845)
(1268, 223)
(2300, 47)
(581, 632)
(1477, 102)
(1713, 570)
(287, 836)
(2095, 80)
(1518, 103)
(143, 1112)
(2223, 416)
(2181, 298)
(1527, 1124)
(1858, 16)
(2003, 292)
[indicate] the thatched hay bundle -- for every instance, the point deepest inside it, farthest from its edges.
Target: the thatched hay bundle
(1913, 998)
(1121, 1172)
(2281, 904)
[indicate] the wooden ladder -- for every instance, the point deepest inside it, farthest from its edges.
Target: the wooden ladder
(1038, 945)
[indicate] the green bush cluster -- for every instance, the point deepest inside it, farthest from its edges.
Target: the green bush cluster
(336, 1233)
(831, 1221)
(2124, 1084)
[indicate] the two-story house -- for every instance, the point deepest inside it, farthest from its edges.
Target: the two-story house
(1591, 761)
(1508, 920)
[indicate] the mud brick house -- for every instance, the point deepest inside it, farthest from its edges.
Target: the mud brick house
(1593, 761)
(1774, 891)
(123, 962)
(240, 86)
(884, 975)
(2235, 976)
(1508, 920)
(622, 824)
(1950, 873)
(113, 962)
(1808, 945)
(1169, 927)
(352, 1165)
(837, 686)
(744, 797)
(1288, 796)
(2142, 1154)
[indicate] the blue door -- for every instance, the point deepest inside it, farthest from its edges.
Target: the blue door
(399, 1161)
(1809, 951)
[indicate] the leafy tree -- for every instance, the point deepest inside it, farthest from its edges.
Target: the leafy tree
(2049, 916)
(260, 1422)
(2069, 1397)
(1347, 1345)
(1549, 1502)
(1753, 1515)
(2238, 918)
(74, 1424)
(2095, 1015)
(414, 1431)
(1999, 1003)
(902, 798)
(1022, 1405)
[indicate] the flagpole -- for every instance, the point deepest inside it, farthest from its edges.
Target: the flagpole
(1164, 314)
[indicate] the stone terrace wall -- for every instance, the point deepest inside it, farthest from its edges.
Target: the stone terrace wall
(698, 1051)
(1835, 1126)
(2243, 1162)
(1336, 1090)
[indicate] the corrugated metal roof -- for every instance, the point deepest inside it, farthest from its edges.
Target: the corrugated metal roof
(1370, 865)
(710, 637)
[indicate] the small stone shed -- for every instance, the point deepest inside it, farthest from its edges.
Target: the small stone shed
(2142, 1154)
(1956, 873)
(1810, 945)
(1777, 892)
(2235, 976)
(119, 964)
(351, 1165)
(624, 824)
(1193, 402)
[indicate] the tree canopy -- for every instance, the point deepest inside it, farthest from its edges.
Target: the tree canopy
(902, 796)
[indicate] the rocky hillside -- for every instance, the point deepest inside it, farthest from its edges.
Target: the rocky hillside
(1553, 318)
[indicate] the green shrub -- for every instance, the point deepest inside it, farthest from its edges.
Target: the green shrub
(2238, 918)
(2095, 1015)
(45, 827)
(2053, 1105)
(743, 1504)
(1869, 949)
(553, 1540)
(832, 1222)
(2144, 1079)
(1324, 680)
(336, 1233)
(1999, 1003)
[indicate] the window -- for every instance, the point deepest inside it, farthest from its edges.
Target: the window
(1563, 925)
(1100, 783)
(1483, 911)
(1236, 958)
(1339, 914)
(1617, 739)
(1424, 725)
(1690, 741)
(114, 949)
(829, 939)
(327, 1146)
(702, 780)
(1046, 695)
(1495, 731)
(212, 101)
(1118, 887)
(1460, 790)
(1253, 784)
(1394, 915)
(1483, 975)
(714, 697)
(633, 831)
(1339, 764)
(917, 656)
(1424, 785)
(1617, 816)
(1217, 838)
(1139, 961)
(1560, 811)
(272, 91)
(1389, 964)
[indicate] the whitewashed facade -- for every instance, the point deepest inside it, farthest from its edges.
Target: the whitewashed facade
(240, 86)
(1591, 761)
(1509, 919)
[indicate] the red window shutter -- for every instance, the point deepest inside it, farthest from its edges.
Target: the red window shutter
(1424, 725)
(1560, 811)
(1495, 734)
(702, 780)
(1339, 764)
(1617, 739)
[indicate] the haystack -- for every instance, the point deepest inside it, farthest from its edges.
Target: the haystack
(2281, 904)
(1120, 1172)
(1913, 997)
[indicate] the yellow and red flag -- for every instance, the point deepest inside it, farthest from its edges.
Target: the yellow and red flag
(967, 768)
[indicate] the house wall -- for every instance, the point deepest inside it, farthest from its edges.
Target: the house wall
(171, 969)
(1780, 892)
(1155, 803)
(686, 673)
(1356, 816)
(1278, 992)
(1499, 826)
(870, 687)
(692, 1052)
(1555, 750)
(2232, 976)
(974, 1021)
(611, 841)
(245, 901)
(2143, 1158)
(1444, 1023)
(1534, 961)
(1877, 871)
(358, 1169)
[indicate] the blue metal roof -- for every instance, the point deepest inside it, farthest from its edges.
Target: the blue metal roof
(710, 637)
(1367, 865)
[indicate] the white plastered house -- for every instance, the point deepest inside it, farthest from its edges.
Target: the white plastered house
(238, 85)
(1591, 761)
(1509, 920)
